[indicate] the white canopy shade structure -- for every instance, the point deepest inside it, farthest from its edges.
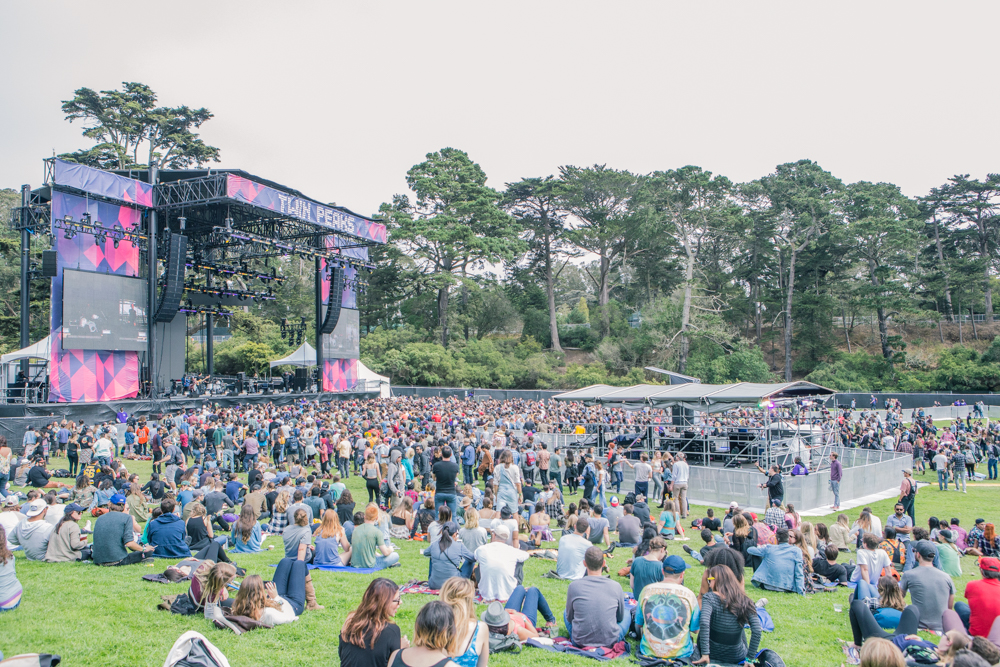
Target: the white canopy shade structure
(586, 395)
(40, 350)
(695, 396)
(304, 357)
(368, 379)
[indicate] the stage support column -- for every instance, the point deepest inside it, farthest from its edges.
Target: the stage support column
(319, 323)
(25, 280)
(209, 338)
(154, 177)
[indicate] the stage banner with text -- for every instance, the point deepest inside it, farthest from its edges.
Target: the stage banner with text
(271, 199)
(102, 183)
(90, 375)
(341, 373)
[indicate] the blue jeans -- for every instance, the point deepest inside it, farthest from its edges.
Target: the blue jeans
(104, 460)
(617, 480)
(643, 488)
(221, 539)
(960, 475)
(382, 562)
(529, 602)
(865, 590)
(942, 480)
(911, 559)
(249, 461)
(228, 460)
(623, 625)
(290, 581)
(991, 468)
(467, 473)
(835, 487)
(449, 499)
(964, 613)
(3, 485)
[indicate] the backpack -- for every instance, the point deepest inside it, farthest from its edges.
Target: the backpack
(530, 457)
(504, 643)
(765, 534)
(768, 658)
(897, 554)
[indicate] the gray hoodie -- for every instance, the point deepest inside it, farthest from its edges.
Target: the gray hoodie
(397, 474)
(33, 536)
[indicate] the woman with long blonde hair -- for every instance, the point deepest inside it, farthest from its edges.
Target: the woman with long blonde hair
(809, 538)
(840, 533)
(330, 539)
(279, 516)
(472, 635)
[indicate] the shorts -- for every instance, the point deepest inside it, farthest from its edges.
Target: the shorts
(171, 473)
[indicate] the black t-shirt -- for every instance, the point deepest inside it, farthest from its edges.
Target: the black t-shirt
(711, 524)
(530, 493)
(253, 477)
(155, 489)
(86, 442)
(345, 512)
(195, 529)
(775, 488)
(388, 641)
(270, 498)
(835, 572)
(445, 473)
(37, 477)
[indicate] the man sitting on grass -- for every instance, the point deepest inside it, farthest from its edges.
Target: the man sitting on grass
(710, 543)
(114, 537)
(368, 548)
(595, 606)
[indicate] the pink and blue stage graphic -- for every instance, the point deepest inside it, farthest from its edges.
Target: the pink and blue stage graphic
(340, 374)
(91, 375)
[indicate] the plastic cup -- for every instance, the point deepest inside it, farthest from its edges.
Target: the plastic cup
(838, 607)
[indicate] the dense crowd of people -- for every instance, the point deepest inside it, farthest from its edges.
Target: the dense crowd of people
(477, 485)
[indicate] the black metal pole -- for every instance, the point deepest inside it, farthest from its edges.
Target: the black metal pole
(151, 305)
(25, 281)
(319, 323)
(209, 337)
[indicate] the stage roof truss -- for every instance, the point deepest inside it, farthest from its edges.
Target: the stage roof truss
(696, 396)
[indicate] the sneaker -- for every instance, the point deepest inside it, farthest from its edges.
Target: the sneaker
(687, 549)
(761, 603)
(86, 526)
(851, 654)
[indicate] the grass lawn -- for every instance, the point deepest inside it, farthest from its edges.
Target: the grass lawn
(107, 616)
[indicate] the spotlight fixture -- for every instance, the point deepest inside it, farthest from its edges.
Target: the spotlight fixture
(229, 224)
(85, 218)
(182, 221)
(69, 234)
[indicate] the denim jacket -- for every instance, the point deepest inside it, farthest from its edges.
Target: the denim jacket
(780, 569)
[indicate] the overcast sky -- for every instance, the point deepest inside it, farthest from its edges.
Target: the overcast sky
(340, 99)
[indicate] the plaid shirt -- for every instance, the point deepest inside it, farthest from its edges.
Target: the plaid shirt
(774, 517)
(278, 522)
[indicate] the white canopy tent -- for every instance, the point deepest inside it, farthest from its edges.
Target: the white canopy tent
(695, 396)
(40, 350)
(304, 357)
(370, 378)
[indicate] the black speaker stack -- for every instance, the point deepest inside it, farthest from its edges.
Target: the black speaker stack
(336, 299)
(173, 290)
(49, 265)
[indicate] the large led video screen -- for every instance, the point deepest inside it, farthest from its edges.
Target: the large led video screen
(103, 311)
(345, 341)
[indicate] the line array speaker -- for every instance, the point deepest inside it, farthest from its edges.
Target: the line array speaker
(336, 299)
(173, 291)
(49, 265)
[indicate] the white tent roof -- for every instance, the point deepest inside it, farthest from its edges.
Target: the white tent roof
(303, 357)
(40, 350)
(695, 396)
(365, 373)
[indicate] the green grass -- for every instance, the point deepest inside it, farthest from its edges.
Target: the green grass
(107, 616)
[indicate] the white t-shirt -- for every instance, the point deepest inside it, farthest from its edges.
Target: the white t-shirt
(875, 560)
(274, 617)
(496, 570)
(642, 471)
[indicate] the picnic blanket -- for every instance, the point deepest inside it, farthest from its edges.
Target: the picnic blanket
(563, 645)
(175, 574)
(339, 568)
(421, 588)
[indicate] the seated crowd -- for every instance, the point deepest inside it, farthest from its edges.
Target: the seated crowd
(476, 543)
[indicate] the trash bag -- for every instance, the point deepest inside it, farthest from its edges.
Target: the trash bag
(192, 650)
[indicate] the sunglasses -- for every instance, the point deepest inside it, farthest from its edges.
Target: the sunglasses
(398, 600)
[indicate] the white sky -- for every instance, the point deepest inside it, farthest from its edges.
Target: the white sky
(339, 99)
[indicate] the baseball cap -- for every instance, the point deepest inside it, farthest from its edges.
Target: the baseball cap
(11, 500)
(36, 507)
(614, 501)
(733, 505)
(674, 565)
(502, 531)
(926, 549)
(948, 535)
(989, 564)
(74, 507)
(118, 499)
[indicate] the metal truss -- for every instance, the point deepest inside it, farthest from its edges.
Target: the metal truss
(243, 295)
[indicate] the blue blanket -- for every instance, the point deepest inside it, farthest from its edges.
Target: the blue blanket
(339, 568)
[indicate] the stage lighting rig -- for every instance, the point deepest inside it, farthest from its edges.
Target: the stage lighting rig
(229, 235)
(242, 295)
(218, 311)
(221, 269)
(86, 225)
(295, 333)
